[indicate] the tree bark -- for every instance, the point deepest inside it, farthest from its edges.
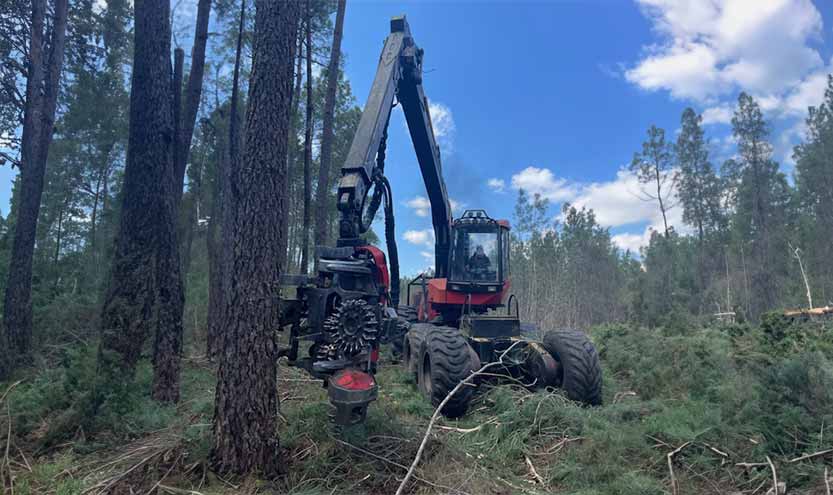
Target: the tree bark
(246, 404)
(322, 193)
(227, 165)
(141, 296)
(167, 345)
(307, 148)
(193, 93)
(187, 123)
(215, 251)
(290, 228)
(42, 89)
(192, 218)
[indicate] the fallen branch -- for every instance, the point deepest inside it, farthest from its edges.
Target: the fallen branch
(826, 481)
(621, 395)
(9, 389)
(463, 383)
(401, 466)
(534, 472)
(6, 466)
(797, 255)
(462, 430)
(811, 456)
(750, 465)
(173, 465)
(670, 459)
(774, 476)
(716, 451)
(178, 491)
(515, 487)
(469, 430)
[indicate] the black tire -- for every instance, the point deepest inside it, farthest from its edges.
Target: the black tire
(581, 372)
(396, 337)
(446, 360)
(407, 313)
(412, 346)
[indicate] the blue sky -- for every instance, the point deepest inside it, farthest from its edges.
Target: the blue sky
(555, 96)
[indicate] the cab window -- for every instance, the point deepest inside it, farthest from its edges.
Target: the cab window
(474, 256)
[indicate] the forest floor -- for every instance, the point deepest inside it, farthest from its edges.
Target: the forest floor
(710, 410)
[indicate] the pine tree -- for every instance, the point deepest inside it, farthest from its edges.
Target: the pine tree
(307, 145)
(245, 410)
(141, 296)
(654, 167)
(699, 186)
(700, 193)
(327, 133)
(227, 163)
(42, 87)
(761, 201)
(814, 184)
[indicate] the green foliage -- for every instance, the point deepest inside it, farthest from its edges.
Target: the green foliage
(64, 397)
(699, 187)
(568, 274)
(814, 191)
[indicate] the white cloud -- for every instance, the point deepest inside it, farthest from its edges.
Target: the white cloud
(632, 242)
(420, 205)
(456, 206)
(420, 237)
(712, 48)
(442, 120)
(496, 185)
(721, 114)
(616, 203)
(541, 181)
(785, 144)
(810, 92)
(622, 202)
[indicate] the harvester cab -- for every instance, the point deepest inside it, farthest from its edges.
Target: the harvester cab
(477, 277)
(479, 254)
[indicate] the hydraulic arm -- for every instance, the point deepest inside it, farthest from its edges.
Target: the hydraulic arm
(398, 78)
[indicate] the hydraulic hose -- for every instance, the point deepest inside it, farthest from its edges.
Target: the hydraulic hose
(390, 241)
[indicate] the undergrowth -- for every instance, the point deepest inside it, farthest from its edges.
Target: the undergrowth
(726, 394)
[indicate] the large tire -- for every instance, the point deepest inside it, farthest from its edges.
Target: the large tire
(446, 360)
(412, 345)
(407, 313)
(581, 372)
(396, 337)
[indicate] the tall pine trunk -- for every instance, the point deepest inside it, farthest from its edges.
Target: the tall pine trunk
(42, 87)
(167, 344)
(187, 123)
(307, 148)
(221, 253)
(214, 249)
(246, 403)
(193, 93)
(142, 295)
(322, 193)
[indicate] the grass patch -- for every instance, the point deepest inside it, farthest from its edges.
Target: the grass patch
(738, 390)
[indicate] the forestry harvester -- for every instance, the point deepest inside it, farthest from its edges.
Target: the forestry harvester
(452, 322)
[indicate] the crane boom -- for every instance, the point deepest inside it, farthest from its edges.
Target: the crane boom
(399, 75)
